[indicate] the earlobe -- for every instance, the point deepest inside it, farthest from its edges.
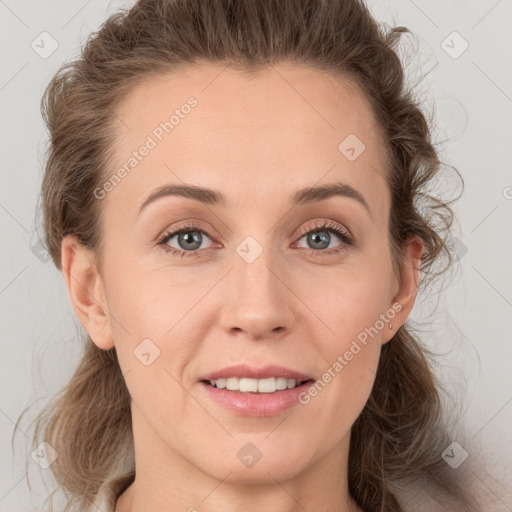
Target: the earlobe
(86, 291)
(408, 286)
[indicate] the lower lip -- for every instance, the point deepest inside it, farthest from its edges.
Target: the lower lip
(256, 404)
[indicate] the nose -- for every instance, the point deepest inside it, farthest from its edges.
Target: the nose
(259, 301)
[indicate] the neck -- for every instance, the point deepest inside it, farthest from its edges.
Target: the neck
(167, 481)
(134, 499)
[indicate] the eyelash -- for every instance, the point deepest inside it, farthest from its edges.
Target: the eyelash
(322, 226)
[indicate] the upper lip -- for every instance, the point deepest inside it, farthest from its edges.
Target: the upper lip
(244, 370)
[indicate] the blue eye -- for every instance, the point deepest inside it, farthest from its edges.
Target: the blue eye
(320, 234)
(190, 238)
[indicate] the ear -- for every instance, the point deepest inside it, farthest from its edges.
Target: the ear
(86, 291)
(407, 286)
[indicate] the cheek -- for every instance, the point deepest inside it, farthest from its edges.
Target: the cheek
(151, 327)
(149, 303)
(341, 392)
(351, 307)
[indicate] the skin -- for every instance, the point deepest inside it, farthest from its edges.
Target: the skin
(257, 140)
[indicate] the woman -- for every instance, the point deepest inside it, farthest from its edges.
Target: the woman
(236, 194)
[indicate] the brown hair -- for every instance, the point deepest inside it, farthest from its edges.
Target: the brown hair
(400, 435)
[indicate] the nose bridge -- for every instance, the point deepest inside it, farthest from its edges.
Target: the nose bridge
(254, 271)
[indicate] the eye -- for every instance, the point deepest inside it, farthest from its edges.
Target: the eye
(319, 237)
(189, 239)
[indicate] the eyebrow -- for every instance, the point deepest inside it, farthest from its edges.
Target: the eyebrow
(208, 196)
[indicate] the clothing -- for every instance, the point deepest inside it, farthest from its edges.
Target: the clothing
(110, 491)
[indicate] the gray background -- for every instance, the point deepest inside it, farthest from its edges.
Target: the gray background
(470, 323)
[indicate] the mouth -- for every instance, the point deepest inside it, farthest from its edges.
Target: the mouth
(245, 390)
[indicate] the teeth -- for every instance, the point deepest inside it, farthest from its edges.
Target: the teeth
(266, 385)
(281, 383)
(233, 384)
(246, 385)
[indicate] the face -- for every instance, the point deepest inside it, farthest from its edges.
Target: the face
(273, 287)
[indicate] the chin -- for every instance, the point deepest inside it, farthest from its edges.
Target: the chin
(260, 474)
(247, 465)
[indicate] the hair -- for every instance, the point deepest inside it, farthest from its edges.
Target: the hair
(399, 436)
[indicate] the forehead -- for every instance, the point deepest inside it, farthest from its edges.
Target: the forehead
(282, 128)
